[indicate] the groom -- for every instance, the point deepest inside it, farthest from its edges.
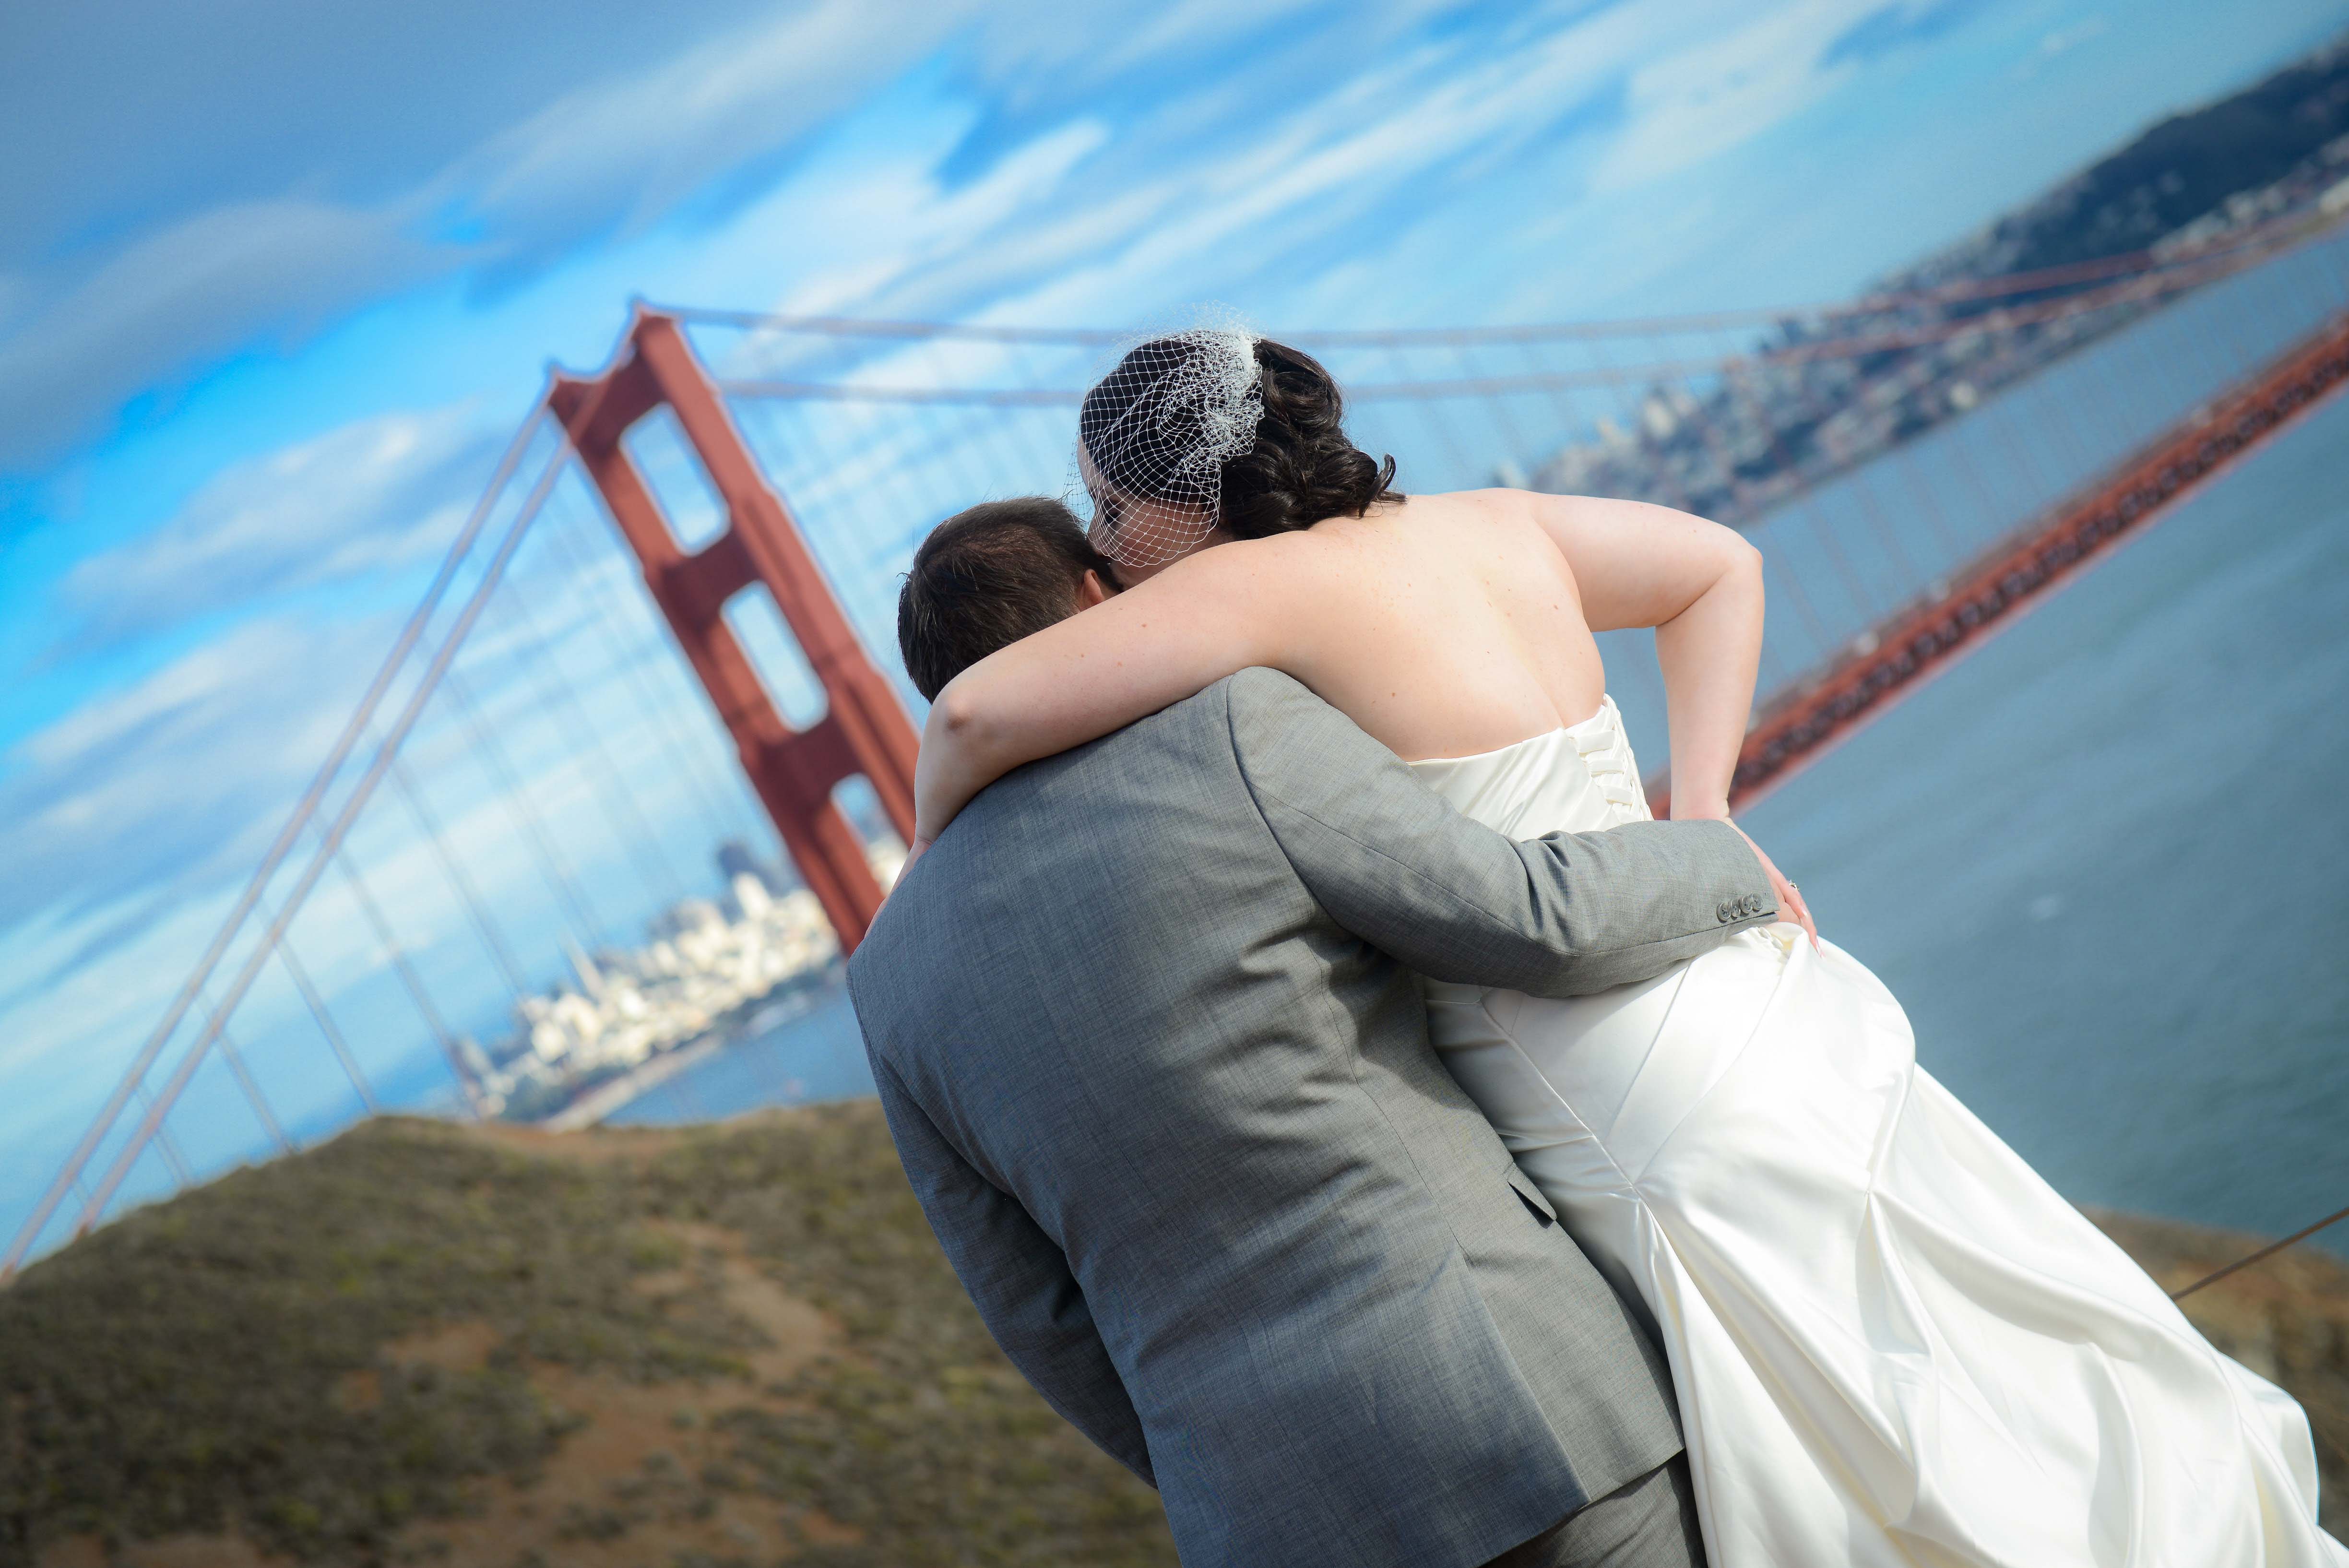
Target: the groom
(1145, 1026)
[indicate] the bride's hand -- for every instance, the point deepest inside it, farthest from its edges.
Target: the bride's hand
(1790, 898)
(914, 852)
(922, 842)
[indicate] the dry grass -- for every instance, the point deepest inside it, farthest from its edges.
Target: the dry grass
(424, 1344)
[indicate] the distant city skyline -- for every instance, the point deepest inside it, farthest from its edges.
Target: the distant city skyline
(706, 966)
(255, 353)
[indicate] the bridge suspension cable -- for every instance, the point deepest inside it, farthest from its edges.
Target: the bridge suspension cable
(360, 793)
(134, 1077)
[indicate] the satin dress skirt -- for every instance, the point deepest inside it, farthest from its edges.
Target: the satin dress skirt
(1893, 1344)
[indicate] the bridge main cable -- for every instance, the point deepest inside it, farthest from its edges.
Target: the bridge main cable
(2246, 250)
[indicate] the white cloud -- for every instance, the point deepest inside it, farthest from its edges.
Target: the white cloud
(373, 495)
(204, 287)
(56, 1013)
(1730, 86)
(609, 157)
(173, 779)
(1076, 225)
(927, 228)
(2061, 41)
(1055, 51)
(621, 153)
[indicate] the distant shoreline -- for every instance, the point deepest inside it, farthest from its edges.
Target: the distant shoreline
(608, 1097)
(612, 1093)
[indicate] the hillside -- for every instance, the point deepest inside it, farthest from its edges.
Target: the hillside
(2280, 142)
(738, 1345)
(422, 1343)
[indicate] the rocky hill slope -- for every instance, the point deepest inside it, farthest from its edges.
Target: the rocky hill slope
(727, 1346)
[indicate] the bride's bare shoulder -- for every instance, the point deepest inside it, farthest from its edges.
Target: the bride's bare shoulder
(1501, 502)
(1478, 501)
(1274, 570)
(1511, 508)
(1513, 522)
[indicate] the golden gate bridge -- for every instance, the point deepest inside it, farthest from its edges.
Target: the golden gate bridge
(654, 632)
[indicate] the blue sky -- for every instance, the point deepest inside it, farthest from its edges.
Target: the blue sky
(277, 280)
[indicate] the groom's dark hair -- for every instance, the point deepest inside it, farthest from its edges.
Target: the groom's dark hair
(987, 577)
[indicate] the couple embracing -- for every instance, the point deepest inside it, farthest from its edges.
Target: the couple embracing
(1349, 1109)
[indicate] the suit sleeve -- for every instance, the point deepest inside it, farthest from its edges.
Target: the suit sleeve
(1018, 1278)
(1560, 916)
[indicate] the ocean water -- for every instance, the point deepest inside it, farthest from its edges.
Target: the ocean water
(2104, 861)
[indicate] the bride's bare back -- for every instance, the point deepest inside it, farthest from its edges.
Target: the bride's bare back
(1444, 626)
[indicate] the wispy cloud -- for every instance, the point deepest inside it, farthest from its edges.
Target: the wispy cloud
(145, 778)
(99, 322)
(615, 156)
(2058, 42)
(1697, 102)
(599, 159)
(172, 781)
(1901, 25)
(371, 496)
(223, 280)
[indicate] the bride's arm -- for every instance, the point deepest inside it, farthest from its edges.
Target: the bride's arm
(1700, 585)
(1158, 642)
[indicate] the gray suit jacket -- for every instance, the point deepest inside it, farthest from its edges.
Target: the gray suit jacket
(1145, 1025)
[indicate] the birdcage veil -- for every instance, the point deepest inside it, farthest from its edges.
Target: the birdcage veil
(1153, 435)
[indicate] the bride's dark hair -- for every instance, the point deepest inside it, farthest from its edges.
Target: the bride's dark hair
(1301, 469)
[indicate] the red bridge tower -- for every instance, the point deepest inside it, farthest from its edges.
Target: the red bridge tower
(865, 730)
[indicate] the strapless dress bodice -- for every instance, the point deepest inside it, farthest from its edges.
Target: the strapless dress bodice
(1577, 779)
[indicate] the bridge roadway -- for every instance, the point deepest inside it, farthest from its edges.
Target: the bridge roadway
(1800, 723)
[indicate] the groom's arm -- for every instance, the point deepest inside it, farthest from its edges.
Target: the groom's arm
(1560, 916)
(1019, 1279)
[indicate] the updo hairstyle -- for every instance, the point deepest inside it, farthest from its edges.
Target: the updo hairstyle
(1302, 469)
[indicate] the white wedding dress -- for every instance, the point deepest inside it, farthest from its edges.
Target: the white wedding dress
(1893, 1343)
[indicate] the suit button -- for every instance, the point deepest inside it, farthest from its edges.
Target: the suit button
(1722, 912)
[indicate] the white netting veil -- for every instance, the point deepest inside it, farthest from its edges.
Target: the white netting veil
(1153, 435)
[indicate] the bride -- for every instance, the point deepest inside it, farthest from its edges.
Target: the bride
(1892, 1343)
